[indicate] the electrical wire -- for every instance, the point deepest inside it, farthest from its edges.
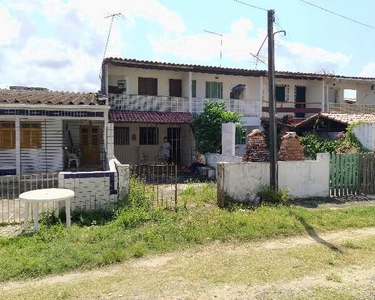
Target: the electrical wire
(253, 6)
(336, 14)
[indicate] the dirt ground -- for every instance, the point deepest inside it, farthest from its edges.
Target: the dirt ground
(334, 265)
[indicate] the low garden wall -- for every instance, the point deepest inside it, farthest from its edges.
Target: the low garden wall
(306, 178)
(212, 159)
(98, 189)
(365, 133)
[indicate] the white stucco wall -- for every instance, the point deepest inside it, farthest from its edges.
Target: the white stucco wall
(131, 74)
(302, 178)
(365, 133)
(365, 95)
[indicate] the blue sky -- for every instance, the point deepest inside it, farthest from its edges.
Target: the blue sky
(59, 44)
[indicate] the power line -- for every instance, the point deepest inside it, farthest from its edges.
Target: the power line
(336, 14)
(253, 6)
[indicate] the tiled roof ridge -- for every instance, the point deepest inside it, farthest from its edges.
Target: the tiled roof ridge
(184, 65)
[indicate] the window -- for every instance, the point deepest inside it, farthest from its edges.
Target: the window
(147, 86)
(175, 87)
(148, 136)
(31, 135)
(194, 88)
(237, 91)
(121, 135)
(214, 90)
(280, 92)
(7, 135)
(350, 96)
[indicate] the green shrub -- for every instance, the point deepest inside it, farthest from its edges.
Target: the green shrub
(269, 195)
(140, 196)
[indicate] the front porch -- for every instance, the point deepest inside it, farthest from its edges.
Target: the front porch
(33, 144)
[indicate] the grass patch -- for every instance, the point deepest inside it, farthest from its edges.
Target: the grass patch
(138, 231)
(334, 277)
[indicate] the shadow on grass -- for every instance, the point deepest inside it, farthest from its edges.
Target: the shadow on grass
(312, 233)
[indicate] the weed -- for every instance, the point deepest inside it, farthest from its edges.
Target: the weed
(269, 195)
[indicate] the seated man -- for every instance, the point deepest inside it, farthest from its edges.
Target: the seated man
(200, 161)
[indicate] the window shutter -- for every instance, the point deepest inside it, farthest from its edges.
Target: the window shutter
(194, 88)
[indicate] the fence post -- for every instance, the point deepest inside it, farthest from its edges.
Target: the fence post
(123, 182)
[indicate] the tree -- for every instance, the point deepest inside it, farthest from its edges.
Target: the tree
(207, 125)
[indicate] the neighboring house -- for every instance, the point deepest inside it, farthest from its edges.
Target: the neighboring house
(146, 86)
(330, 124)
(43, 131)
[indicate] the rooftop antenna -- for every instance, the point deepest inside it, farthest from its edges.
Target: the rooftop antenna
(112, 16)
(221, 42)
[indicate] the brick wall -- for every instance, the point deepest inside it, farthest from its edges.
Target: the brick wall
(256, 148)
(291, 148)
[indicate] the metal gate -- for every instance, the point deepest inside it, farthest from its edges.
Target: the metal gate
(352, 174)
(157, 183)
(11, 209)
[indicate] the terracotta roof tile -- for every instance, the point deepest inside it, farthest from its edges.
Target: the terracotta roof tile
(124, 116)
(340, 118)
(41, 96)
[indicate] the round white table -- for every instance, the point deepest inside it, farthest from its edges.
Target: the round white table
(45, 195)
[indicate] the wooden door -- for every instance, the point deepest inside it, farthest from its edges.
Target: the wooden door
(175, 87)
(90, 145)
(301, 100)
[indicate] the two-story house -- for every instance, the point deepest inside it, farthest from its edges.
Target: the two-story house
(152, 100)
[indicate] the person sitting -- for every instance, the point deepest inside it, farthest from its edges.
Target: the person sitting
(200, 161)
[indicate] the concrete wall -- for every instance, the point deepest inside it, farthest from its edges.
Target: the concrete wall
(212, 159)
(99, 189)
(365, 133)
(314, 93)
(253, 91)
(303, 178)
(365, 93)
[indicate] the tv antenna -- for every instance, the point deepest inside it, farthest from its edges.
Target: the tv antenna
(112, 16)
(221, 42)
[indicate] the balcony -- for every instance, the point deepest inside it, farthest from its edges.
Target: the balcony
(347, 108)
(180, 104)
(298, 108)
(248, 108)
(149, 103)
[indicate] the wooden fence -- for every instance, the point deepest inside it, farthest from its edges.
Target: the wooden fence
(352, 174)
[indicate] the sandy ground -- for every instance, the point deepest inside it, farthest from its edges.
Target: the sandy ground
(305, 267)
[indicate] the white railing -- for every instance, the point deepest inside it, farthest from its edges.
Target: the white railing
(346, 108)
(149, 103)
(248, 108)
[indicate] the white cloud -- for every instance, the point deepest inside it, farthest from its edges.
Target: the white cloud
(239, 42)
(368, 70)
(10, 27)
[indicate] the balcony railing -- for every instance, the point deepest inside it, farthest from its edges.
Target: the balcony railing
(294, 107)
(248, 108)
(180, 104)
(346, 108)
(149, 103)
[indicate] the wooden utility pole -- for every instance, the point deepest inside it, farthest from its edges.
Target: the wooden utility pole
(271, 100)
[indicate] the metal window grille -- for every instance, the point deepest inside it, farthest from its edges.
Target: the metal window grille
(148, 136)
(121, 135)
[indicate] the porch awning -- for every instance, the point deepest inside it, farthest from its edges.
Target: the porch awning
(124, 116)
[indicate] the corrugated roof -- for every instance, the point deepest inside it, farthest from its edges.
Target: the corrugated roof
(345, 119)
(34, 96)
(135, 63)
(125, 116)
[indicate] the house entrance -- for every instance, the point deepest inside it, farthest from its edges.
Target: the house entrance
(90, 144)
(174, 138)
(300, 99)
